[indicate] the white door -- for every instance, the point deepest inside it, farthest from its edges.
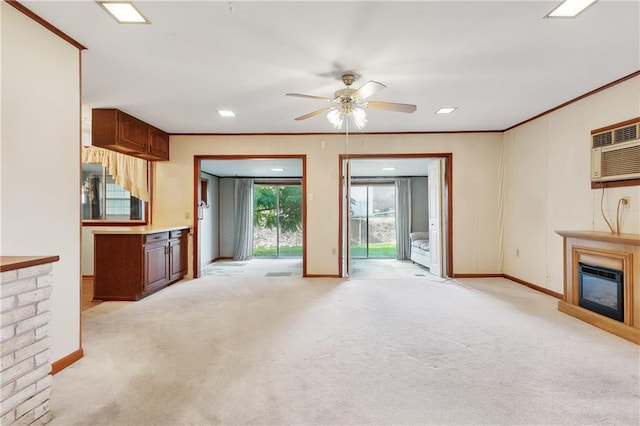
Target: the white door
(435, 185)
(346, 219)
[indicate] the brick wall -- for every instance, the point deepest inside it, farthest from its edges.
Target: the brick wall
(25, 345)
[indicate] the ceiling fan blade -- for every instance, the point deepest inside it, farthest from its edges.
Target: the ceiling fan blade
(391, 106)
(313, 114)
(368, 89)
(320, 98)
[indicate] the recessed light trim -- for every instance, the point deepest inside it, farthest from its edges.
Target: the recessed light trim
(446, 110)
(124, 12)
(277, 169)
(226, 113)
(570, 8)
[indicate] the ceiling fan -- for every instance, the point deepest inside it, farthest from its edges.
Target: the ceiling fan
(352, 103)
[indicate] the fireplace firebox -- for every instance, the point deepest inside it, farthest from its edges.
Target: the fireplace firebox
(601, 290)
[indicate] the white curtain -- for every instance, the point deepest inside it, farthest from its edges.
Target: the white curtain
(127, 171)
(403, 218)
(243, 228)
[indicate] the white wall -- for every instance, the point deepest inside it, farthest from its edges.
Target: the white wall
(547, 183)
(40, 176)
(476, 186)
(419, 204)
(209, 247)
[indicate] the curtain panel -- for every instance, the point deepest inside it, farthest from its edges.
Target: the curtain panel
(403, 218)
(243, 228)
(127, 171)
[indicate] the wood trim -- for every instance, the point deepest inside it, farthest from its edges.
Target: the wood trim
(478, 276)
(66, 361)
(321, 276)
(448, 179)
(515, 280)
(534, 287)
(615, 327)
(615, 183)
(18, 6)
(106, 223)
(304, 215)
(424, 132)
(222, 258)
(616, 125)
(606, 237)
(196, 265)
(593, 92)
(88, 277)
(11, 263)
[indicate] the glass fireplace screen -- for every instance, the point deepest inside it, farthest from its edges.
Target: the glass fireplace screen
(601, 290)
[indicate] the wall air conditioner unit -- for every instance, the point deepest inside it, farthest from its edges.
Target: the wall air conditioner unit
(615, 153)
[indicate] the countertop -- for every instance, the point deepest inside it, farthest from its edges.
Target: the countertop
(140, 230)
(10, 263)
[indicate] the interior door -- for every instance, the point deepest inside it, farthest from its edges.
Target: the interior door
(346, 219)
(435, 191)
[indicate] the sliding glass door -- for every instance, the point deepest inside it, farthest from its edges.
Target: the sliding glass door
(373, 224)
(277, 230)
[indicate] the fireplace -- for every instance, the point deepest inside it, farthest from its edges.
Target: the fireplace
(601, 290)
(602, 281)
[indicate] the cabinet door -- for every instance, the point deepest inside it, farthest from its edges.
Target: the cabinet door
(158, 147)
(132, 133)
(155, 265)
(178, 257)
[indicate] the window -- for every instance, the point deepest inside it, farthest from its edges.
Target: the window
(373, 220)
(104, 200)
(277, 230)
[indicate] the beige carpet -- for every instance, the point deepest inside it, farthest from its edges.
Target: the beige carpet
(286, 350)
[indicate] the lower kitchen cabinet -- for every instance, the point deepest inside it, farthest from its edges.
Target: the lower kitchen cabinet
(130, 266)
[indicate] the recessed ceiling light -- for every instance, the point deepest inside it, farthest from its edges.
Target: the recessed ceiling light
(277, 169)
(388, 169)
(226, 113)
(569, 8)
(446, 110)
(123, 12)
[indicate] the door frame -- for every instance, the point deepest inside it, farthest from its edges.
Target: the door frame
(197, 159)
(447, 202)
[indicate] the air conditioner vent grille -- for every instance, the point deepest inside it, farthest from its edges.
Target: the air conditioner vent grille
(624, 134)
(619, 162)
(602, 139)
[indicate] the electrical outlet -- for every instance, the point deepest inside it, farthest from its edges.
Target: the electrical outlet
(626, 202)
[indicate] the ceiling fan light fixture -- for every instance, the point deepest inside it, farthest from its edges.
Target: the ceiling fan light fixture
(335, 117)
(359, 117)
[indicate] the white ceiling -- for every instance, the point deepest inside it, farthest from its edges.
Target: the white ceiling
(499, 62)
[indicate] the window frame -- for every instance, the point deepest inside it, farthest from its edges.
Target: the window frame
(147, 204)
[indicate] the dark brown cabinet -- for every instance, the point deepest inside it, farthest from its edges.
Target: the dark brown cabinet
(177, 255)
(118, 131)
(130, 266)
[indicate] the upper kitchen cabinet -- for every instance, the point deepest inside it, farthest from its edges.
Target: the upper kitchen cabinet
(119, 131)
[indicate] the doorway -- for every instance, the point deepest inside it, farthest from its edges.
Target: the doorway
(437, 196)
(214, 232)
(373, 224)
(277, 231)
